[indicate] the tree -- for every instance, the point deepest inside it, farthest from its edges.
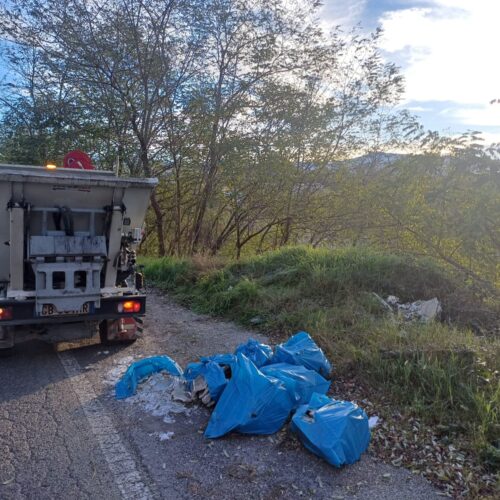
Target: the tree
(126, 58)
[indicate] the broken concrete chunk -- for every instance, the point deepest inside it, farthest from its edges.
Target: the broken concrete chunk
(422, 310)
(257, 320)
(180, 391)
(382, 302)
(429, 309)
(203, 393)
(199, 384)
(392, 300)
(206, 399)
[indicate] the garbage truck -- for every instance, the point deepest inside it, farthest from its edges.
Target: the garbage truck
(68, 240)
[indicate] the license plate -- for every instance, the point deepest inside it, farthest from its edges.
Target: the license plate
(51, 310)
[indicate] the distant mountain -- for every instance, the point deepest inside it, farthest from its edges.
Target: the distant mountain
(376, 160)
(372, 161)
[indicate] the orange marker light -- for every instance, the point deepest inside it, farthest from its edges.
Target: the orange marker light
(5, 313)
(51, 166)
(129, 306)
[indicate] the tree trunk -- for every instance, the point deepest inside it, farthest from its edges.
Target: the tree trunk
(178, 214)
(159, 225)
(162, 251)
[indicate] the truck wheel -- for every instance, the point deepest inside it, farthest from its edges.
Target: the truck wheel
(6, 352)
(6, 341)
(106, 338)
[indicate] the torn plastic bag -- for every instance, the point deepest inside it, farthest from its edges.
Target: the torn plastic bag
(215, 369)
(221, 359)
(334, 430)
(300, 382)
(139, 370)
(252, 403)
(302, 350)
(212, 372)
(258, 353)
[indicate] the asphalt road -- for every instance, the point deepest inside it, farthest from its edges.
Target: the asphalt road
(64, 436)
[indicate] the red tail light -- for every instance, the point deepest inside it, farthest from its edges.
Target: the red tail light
(129, 306)
(5, 313)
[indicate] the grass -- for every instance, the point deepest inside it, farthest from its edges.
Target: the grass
(440, 372)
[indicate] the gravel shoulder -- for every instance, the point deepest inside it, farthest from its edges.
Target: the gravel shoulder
(184, 465)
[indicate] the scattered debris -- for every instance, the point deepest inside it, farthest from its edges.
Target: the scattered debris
(428, 309)
(214, 371)
(199, 385)
(256, 320)
(180, 390)
(119, 368)
(372, 422)
(253, 401)
(392, 300)
(156, 397)
(166, 436)
(421, 310)
(383, 303)
(140, 370)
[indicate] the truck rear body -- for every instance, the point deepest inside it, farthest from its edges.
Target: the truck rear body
(67, 249)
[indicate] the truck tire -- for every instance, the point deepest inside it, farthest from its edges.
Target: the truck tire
(105, 340)
(6, 342)
(7, 352)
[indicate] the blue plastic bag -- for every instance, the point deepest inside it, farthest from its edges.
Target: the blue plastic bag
(334, 430)
(258, 353)
(212, 372)
(221, 359)
(139, 370)
(300, 382)
(302, 350)
(251, 403)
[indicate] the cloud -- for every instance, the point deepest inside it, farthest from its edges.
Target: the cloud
(486, 116)
(342, 12)
(490, 138)
(418, 109)
(448, 51)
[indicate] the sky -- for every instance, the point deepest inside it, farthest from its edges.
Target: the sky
(448, 52)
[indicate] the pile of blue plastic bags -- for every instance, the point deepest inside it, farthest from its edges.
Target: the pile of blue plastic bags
(256, 391)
